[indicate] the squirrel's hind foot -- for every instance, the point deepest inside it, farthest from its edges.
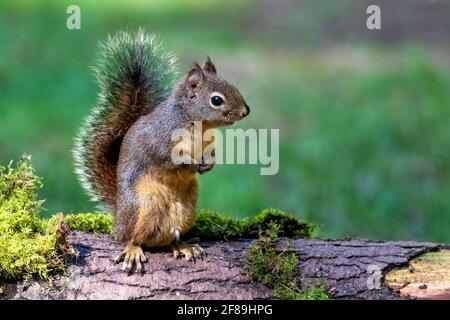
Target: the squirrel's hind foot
(190, 252)
(132, 255)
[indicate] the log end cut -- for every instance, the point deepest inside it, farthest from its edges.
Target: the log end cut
(425, 277)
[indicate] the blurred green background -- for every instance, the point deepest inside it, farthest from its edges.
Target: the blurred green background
(363, 115)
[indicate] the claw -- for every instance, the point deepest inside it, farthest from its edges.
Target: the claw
(197, 253)
(126, 263)
(132, 255)
(190, 252)
(120, 257)
(202, 251)
(176, 253)
(138, 266)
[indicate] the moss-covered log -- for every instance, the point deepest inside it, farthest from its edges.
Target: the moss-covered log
(345, 268)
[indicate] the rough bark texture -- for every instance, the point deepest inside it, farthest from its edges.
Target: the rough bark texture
(346, 267)
(343, 266)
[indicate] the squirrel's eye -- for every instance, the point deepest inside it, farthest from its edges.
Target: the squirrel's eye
(216, 101)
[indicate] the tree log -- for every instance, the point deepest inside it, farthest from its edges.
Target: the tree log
(353, 269)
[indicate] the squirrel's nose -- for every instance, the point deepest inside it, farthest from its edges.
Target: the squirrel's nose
(246, 112)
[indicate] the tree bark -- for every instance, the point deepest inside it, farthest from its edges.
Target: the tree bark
(356, 269)
(346, 268)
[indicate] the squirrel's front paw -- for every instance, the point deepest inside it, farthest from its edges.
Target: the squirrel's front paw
(131, 255)
(190, 252)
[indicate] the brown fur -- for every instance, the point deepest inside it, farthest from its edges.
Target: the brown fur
(167, 200)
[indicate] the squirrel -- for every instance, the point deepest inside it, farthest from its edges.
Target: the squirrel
(123, 150)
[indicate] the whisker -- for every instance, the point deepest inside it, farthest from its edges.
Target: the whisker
(251, 94)
(238, 79)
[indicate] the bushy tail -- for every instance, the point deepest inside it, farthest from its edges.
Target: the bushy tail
(135, 74)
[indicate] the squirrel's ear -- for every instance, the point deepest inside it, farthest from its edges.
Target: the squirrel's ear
(195, 76)
(209, 66)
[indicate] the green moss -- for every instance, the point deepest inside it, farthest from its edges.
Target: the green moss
(90, 222)
(28, 245)
(213, 225)
(278, 270)
(288, 226)
(314, 293)
(209, 224)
